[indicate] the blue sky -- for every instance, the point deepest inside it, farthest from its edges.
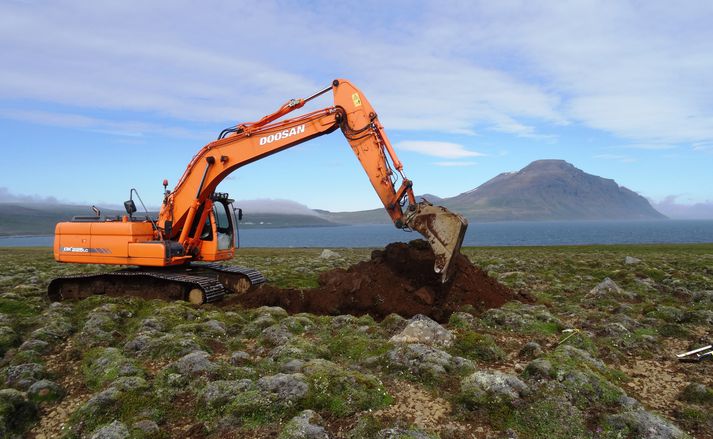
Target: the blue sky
(99, 97)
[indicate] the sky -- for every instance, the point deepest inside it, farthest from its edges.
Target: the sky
(99, 97)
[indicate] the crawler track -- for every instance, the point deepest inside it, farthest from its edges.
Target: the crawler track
(198, 283)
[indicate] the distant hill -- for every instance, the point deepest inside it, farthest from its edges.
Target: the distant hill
(551, 190)
(41, 218)
(543, 190)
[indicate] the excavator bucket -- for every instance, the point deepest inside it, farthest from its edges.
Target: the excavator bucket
(443, 229)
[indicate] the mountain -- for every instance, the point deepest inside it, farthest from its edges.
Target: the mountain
(551, 190)
(543, 190)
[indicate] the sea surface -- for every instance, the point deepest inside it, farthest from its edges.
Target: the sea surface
(479, 234)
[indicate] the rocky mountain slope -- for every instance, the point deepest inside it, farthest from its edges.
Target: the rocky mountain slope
(544, 190)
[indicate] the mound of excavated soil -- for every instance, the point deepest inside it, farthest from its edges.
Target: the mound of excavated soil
(399, 279)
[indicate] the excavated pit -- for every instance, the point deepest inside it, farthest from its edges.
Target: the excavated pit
(399, 279)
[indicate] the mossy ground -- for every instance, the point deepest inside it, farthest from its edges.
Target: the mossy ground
(669, 310)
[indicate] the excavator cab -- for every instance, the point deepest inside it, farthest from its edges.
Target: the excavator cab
(220, 230)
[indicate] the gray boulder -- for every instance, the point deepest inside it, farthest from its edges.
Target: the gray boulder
(608, 289)
(421, 329)
(146, 426)
(22, 376)
(630, 260)
(239, 358)
(115, 430)
(425, 360)
(285, 387)
(495, 386)
(221, 392)
(45, 390)
(304, 426)
(329, 254)
(194, 364)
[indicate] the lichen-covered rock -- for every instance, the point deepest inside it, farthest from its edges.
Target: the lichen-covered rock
(521, 317)
(696, 393)
(162, 345)
(275, 335)
(221, 392)
(609, 289)
(461, 319)
(194, 364)
(425, 361)
(530, 350)
(54, 331)
(103, 365)
(285, 387)
(115, 430)
(130, 383)
(539, 369)
(293, 366)
(22, 376)
(630, 260)
(423, 330)
(39, 346)
(239, 358)
(16, 412)
(402, 433)
(304, 426)
(8, 339)
(484, 387)
(340, 391)
(45, 390)
(668, 314)
(329, 254)
(644, 425)
(146, 427)
(100, 402)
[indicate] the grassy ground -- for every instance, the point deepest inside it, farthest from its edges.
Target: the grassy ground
(109, 359)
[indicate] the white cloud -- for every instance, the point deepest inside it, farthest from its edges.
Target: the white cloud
(640, 71)
(269, 205)
(446, 150)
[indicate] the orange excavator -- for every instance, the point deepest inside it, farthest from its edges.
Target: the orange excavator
(174, 256)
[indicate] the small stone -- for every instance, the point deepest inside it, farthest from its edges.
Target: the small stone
(630, 260)
(115, 430)
(530, 350)
(304, 426)
(293, 366)
(239, 358)
(609, 289)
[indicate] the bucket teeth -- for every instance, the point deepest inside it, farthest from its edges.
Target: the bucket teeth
(444, 231)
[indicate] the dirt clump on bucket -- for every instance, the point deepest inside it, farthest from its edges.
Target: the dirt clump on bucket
(399, 279)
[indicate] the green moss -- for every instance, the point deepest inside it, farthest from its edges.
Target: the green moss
(103, 365)
(548, 419)
(17, 307)
(342, 392)
(475, 346)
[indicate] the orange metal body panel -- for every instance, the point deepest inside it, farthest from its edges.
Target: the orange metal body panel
(108, 242)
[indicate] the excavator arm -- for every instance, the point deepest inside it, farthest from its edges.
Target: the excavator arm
(184, 209)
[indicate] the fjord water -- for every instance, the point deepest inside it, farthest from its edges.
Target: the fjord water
(479, 234)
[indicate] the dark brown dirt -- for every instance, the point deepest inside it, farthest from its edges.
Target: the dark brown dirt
(399, 279)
